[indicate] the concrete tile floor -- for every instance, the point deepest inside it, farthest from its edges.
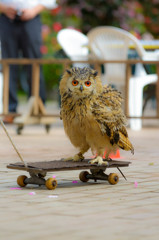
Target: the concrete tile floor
(79, 210)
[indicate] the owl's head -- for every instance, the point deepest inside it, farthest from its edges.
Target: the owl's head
(80, 82)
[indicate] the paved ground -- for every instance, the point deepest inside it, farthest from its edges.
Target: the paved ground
(76, 210)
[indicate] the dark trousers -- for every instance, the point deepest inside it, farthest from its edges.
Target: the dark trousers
(20, 38)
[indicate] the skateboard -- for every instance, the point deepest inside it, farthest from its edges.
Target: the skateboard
(38, 171)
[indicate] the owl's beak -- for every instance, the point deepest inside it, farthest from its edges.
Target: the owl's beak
(81, 88)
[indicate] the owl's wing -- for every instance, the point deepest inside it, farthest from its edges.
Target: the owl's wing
(106, 108)
(107, 111)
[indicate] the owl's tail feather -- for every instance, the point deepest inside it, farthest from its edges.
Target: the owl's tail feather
(125, 143)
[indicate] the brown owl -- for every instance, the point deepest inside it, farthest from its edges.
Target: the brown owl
(92, 115)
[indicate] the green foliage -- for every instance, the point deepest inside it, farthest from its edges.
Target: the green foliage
(53, 21)
(138, 17)
(94, 13)
(151, 16)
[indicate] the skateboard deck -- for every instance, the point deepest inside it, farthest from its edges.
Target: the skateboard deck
(38, 171)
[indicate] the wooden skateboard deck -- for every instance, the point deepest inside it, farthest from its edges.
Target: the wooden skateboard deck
(38, 170)
(60, 165)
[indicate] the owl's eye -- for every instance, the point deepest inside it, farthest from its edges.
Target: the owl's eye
(74, 82)
(88, 83)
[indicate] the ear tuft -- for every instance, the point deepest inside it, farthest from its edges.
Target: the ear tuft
(95, 73)
(68, 71)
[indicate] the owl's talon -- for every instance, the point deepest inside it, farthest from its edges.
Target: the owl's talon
(76, 158)
(108, 159)
(99, 160)
(67, 159)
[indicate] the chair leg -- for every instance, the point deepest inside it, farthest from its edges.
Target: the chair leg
(136, 86)
(135, 103)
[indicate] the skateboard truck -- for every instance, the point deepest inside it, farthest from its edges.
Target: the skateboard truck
(98, 174)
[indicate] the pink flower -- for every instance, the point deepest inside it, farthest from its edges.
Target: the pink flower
(57, 26)
(137, 35)
(147, 20)
(131, 13)
(155, 11)
(55, 11)
(155, 1)
(43, 49)
(69, 11)
(138, 5)
(77, 12)
(45, 31)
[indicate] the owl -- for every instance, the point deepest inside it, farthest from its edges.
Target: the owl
(92, 115)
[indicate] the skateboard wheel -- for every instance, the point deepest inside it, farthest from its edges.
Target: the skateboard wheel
(19, 129)
(51, 183)
(47, 127)
(113, 178)
(83, 176)
(20, 181)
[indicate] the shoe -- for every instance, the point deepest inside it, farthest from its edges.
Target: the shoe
(8, 119)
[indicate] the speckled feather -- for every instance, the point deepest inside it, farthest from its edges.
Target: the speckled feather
(93, 118)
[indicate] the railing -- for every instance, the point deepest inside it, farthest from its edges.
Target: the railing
(66, 62)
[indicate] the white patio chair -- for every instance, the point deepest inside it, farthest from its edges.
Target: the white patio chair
(111, 43)
(74, 44)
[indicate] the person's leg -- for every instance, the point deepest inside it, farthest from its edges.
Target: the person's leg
(30, 44)
(9, 48)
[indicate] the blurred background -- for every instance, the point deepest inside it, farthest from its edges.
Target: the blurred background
(141, 18)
